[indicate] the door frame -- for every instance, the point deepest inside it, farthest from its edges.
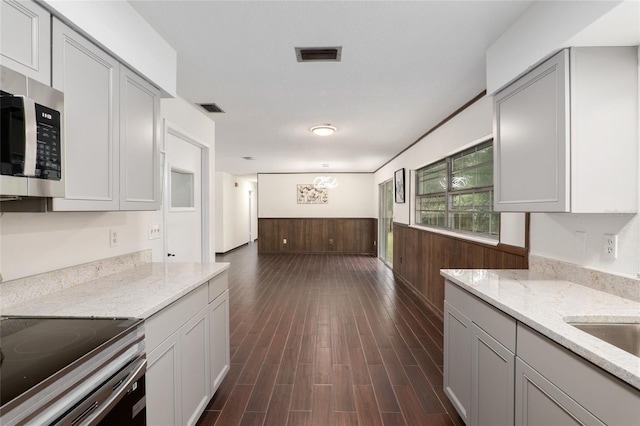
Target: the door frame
(170, 128)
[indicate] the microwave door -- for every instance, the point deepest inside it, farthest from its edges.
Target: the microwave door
(19, 136)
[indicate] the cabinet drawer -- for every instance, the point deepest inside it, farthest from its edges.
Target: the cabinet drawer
(605, 396)
(499, 325)
(166, 322)
(217, 285)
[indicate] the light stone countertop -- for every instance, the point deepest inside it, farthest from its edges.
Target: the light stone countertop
(545, 304)
(138, 292)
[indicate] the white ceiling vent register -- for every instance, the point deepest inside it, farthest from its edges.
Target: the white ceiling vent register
(319, 54)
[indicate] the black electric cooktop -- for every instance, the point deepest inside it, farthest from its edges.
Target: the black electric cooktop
(32, 349)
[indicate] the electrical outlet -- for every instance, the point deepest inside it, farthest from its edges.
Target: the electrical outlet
(154, 231)
(610, 246)
(113, 238)
(284, 241)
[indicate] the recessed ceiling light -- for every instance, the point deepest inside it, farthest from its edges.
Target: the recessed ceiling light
(325, 165)
(324, 130)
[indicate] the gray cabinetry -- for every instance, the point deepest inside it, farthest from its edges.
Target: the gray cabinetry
(25, 39)
(111, 129)
(492, 386)
(539, 402)
(575, 113)
(219, 330)
(479, 359)
(139, 136)
(89, 79)
(457, 360)
(554, 384)
(188, 354)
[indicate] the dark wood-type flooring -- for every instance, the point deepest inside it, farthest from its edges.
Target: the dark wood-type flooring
(322, 339)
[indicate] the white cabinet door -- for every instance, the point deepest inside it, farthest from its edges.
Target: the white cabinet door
(531, 129)
(219, 339)
(25, 39)
(89, 79)
(492, 380)
(540, 403)
(139, 136)
(195, 367)
(457, 360)
(163, 383)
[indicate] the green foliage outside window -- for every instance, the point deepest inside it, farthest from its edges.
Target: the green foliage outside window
(457, 193)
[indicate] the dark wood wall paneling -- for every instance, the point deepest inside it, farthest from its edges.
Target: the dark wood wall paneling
(318, 235)
(418, 256)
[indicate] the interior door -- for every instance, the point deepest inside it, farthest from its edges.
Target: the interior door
(183, 199)
(385, 232)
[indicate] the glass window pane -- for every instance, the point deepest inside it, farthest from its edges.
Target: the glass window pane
(181, 189)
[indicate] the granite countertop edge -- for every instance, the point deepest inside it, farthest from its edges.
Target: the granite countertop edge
(546, 304)
(138, 292)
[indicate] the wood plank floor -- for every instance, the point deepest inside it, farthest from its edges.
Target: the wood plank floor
(327, 340)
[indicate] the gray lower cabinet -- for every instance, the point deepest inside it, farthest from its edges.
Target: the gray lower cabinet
(539, 402)
(111, 129)
(187, 354)
(556, 387)
(219, 339)
(498, 371)
(492, 380)
(25, 39)
(177, 341)
(478, 359)
(457, 360)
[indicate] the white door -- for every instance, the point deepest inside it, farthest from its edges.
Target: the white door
(183, 200)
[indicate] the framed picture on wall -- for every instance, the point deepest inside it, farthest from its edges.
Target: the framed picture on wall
(399, 185)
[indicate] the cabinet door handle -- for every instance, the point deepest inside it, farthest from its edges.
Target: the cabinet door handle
(171, 255)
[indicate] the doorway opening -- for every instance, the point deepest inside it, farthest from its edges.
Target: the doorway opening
(385, 231)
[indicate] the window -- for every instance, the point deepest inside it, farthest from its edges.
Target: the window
(457, 193)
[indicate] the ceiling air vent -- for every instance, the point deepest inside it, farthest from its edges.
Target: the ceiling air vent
(319, 54)
(211, 107)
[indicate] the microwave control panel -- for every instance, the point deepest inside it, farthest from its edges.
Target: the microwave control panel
(48, 156)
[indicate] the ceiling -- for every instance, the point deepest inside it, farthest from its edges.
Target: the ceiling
(405, 67)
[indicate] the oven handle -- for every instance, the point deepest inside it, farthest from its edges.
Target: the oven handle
(30, 136)
(120, 389)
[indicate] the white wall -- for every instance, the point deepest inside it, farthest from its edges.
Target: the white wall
(543, 29)
(277, 196)
(33, 243)
(233, 216)
(466, 129)
(198, 126)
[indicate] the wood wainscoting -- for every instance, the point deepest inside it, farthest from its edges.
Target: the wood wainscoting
(418, 256)
(318, 235)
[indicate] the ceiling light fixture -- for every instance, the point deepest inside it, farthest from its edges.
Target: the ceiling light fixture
(324, 130)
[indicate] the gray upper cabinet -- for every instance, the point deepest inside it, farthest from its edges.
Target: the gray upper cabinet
(566, 134)
(110, 126)
(89, 79)
(25, 39)
(139, 133)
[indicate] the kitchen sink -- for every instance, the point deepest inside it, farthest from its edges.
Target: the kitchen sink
(625, 336)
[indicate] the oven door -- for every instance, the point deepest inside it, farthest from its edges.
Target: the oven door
(118, 401)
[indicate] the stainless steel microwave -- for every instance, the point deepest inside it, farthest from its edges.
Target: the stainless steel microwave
(32, 143)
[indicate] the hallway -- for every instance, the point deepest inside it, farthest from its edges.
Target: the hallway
(327, 339)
